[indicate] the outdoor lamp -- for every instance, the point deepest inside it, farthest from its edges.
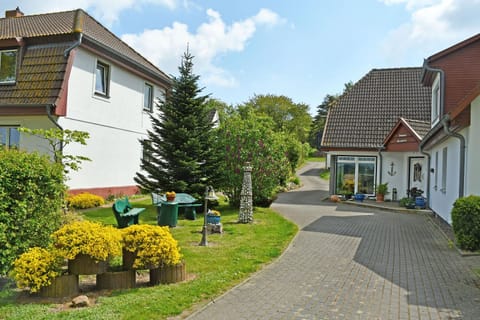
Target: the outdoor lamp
(209, 195)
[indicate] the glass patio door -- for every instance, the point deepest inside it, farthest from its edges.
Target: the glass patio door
(355, 174)
(366, 178)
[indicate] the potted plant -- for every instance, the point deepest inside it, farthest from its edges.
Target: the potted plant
(382, 190)
(407, 203)
(148, 246)
(359, 197)
(87, 245)
(170, 195)
(39, 270)
(213, 216)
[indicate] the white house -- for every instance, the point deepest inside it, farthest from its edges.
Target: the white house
(453, 76)
(66, 70)
(372, 134)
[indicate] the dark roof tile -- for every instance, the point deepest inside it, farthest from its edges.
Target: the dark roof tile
(365, 115)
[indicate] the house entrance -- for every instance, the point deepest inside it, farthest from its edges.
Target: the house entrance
(417, 171)
(355, 174)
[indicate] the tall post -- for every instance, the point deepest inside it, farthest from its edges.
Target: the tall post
(204, 241)
(246, 204)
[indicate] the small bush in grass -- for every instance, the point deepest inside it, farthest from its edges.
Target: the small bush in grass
(85, 200)
(466, 222)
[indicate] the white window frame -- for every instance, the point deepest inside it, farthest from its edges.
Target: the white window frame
(148, 97)
(14, 78)
(104, 75)
(7, 136)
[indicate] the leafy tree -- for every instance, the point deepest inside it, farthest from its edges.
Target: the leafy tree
(289, 117)
(31, 197)
(58, 139)
(249, 137)
(181, 147)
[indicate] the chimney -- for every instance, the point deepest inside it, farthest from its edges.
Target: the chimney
(13, 13)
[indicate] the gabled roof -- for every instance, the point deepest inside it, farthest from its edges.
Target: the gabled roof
(366, 114)
(44, 65)
(406, 135)
(70, 23)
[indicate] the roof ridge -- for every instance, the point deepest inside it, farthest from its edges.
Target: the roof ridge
(44, 14)
(395, 68)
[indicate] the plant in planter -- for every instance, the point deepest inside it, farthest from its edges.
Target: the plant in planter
(359, 197)
(407, 203)
(89, 244)
(170, 195)
(36, 268)
(149, 247)
(382, 190)
(213, 216)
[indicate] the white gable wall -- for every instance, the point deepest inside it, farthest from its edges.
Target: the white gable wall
(115, 124)
(473, 151)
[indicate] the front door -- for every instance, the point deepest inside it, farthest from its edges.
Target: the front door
(418, 172)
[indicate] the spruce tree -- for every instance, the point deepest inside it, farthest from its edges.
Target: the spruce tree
(179, 154)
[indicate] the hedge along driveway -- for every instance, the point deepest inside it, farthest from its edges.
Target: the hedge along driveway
(229, 259)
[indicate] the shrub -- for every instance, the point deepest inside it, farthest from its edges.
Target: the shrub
(466, 222)
(36, 268)
(32, 193)
(89, 238)
(84, 201)
(153, 245)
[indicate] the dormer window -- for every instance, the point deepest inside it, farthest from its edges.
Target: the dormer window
(8, 66)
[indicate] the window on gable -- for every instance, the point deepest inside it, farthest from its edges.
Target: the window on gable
(8, 66)
(436, 102)
(148, 98)
(9, 137)
(444, 170)
(102, 79)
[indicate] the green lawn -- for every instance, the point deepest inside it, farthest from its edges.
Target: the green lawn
(230, 258)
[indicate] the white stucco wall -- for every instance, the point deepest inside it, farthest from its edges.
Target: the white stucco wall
(441, 201)
(115, 124)
(29, 142)
(473, 151)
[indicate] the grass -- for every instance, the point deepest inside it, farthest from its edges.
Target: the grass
(315, 159)
(229, 259)
(325, 174)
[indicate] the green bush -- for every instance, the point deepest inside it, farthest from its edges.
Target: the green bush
(466, 222)
(32, 191)
(85, 200)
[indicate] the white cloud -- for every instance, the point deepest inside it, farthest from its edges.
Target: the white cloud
(433, 25)
(106, 11)
(207, 43)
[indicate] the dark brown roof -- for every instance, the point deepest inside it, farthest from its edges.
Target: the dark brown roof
(46, 37)
(366, 114)
(420, 127)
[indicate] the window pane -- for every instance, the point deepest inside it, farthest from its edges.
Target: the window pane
(148, 97)
(345, 178)
(3, 136)
(8, 65)
(366, 178)
(14, 138)
(100, 79)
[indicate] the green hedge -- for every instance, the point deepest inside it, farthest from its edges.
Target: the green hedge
(466, 222)
(32, 190)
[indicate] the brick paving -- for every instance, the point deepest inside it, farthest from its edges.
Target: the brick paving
(351, 262)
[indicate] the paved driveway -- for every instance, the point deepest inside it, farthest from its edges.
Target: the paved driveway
(354, 263)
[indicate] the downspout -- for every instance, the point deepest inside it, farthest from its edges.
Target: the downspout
(78, 29)
(442, 84)
(380, 158)
(77, 43)
(427, 192)
(450, 133)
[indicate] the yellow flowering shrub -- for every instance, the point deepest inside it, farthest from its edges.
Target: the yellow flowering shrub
(89, 238)
(154, 245)
(84, 201)
(36, 268)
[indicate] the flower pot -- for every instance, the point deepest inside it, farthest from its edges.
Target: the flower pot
(380, 197)
(170, 199)
(84, 264)
(116, 280)
(359, 197)
(168, 274)
(61, 286)
(213, 219)
(420, 202)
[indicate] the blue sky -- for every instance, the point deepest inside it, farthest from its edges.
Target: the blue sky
(303, 49)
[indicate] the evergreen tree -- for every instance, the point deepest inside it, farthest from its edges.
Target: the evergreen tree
(180, 153)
